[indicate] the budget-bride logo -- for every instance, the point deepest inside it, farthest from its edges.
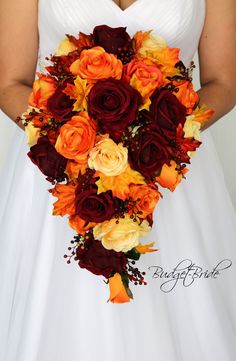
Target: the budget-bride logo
(186, 272)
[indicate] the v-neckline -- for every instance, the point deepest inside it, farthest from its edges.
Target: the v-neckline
(126, 9)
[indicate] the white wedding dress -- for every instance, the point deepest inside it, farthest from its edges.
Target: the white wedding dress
(52, 311)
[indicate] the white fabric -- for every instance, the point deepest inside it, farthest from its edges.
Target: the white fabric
(51, 311)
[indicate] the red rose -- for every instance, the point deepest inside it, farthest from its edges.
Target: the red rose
(60, 104)
(47, 159)
(99, 260)
(166, 111)
(111, 39)
(114, 104)
(93, 207)
(149, 152)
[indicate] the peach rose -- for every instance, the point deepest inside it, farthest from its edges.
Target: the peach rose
(145, 76)
(122, 236)
(108, 157)
(43, 88)
(96, 63)
(148, 195)
(77, 138)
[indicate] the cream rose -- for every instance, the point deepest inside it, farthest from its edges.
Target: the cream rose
(122, 236)
(108, 157)
(192, 128)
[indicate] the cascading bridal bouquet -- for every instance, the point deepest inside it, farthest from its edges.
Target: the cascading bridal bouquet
(113, 119)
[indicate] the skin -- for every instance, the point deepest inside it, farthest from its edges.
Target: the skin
(19, 41)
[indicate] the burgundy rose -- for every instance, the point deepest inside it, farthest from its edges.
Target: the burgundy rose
(49, 161)
(166, 111)
(93, 207)
(111, 39)
(99, 260)
(150, 152)
(60, 104)
(114, 104)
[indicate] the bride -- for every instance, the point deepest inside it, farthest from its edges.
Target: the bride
(52, 311)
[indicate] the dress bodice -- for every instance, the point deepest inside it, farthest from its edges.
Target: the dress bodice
(180, 22)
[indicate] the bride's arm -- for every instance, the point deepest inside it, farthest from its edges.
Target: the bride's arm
(19, 52)
(217, 58)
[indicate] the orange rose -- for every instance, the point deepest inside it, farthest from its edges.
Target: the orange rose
(66, 199)
(43, 88)
(169, 176)
(148, 195)
(186, 94)
(118, 292)
(80, 225)
(95, 64)
(145, 76)
(77, 138)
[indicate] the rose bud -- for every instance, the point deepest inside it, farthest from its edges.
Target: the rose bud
(111, 39)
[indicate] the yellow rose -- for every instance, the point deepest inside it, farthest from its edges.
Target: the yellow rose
(108, 157)
(32, 134)
(152, 43)
(122, 236)
(192, 129)
(65, 47)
